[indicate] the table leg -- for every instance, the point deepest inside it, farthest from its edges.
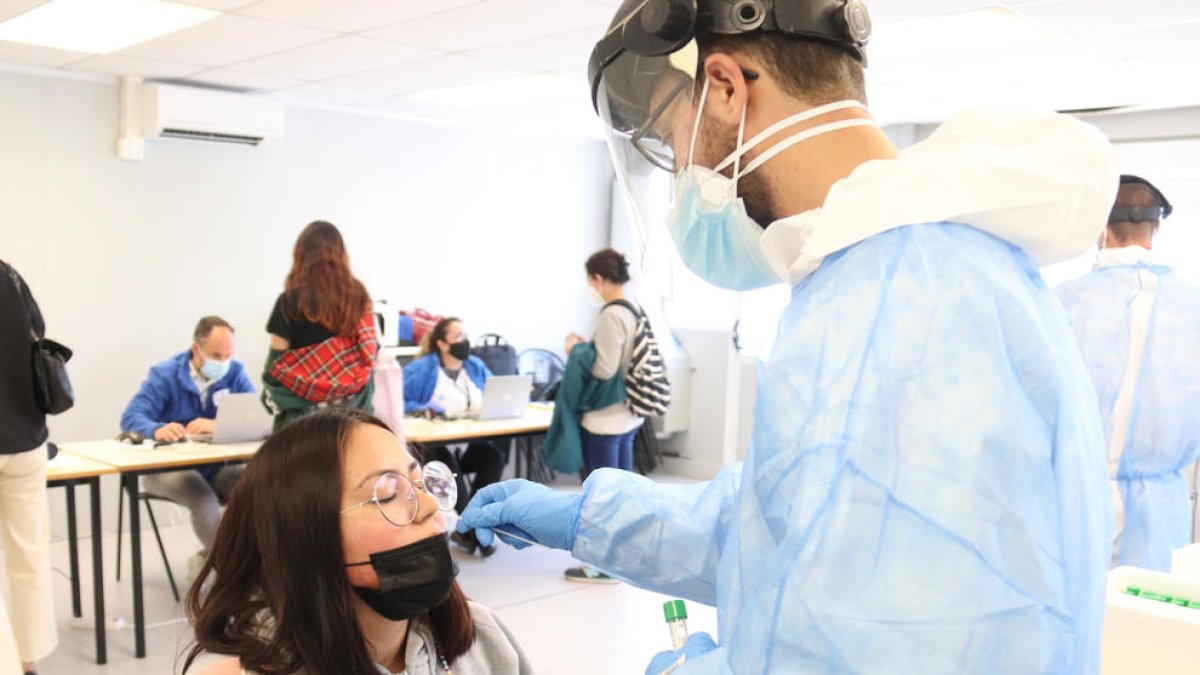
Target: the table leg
(73, 548)
(135, 554)
(98, 572)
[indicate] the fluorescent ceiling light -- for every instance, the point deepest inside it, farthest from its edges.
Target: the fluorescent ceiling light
(100, 26)
(523, 90)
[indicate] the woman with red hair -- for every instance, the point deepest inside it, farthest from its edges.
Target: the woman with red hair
(323, 341)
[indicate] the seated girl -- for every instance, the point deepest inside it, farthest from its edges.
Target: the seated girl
(332, 559)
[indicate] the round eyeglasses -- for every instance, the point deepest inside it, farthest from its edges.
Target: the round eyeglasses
(396, 494)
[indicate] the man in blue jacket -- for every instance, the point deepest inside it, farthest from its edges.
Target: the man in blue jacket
(179, 398)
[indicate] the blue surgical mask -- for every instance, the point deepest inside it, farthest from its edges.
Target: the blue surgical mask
(214, 370)
(716, 238)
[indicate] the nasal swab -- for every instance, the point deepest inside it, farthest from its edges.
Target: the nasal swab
(510, 535)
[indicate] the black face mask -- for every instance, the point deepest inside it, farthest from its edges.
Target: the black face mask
(412, 579)
(461, 349)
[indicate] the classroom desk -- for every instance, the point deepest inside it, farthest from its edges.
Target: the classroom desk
(536, 420)
(135, 460)
(67, 471)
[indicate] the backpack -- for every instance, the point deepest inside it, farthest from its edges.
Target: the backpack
(646, 386)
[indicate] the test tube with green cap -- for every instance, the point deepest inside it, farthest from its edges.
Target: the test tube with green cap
(676, 613)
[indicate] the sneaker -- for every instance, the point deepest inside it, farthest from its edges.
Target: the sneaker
(588, 575)
(194, 564)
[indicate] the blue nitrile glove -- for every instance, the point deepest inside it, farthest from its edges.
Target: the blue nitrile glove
(697, 645)
(435, 408)
(526, 509)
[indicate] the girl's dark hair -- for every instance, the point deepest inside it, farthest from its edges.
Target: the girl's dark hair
(320, 285)
(279, 598)
(438, 332)
(609, 264)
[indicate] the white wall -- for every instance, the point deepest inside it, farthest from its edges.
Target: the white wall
(124, 257)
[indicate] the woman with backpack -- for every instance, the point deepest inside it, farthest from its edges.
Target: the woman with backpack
(607, 430)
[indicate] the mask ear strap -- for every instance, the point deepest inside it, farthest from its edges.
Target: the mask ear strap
(737, 160)
(804, 136)
(696, 124)
(786, 122)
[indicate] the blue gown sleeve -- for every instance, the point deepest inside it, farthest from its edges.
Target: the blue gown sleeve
(665, 538)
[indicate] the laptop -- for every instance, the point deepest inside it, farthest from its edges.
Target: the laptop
(240, 418)
(504, 396)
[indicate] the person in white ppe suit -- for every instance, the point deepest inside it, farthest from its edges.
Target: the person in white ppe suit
(1138, 325)
(925, 490)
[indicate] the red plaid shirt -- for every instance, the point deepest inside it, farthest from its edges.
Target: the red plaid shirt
(330, 370)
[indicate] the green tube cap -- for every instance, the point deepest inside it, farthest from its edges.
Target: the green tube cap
(674, 609)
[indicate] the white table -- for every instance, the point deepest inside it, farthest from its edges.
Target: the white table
(133, 461)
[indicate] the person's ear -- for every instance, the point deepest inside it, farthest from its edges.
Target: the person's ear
(727, 90)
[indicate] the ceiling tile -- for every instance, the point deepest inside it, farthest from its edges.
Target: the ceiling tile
(437, 73)
(314, 92)
(348, 16)
(966, 35)
(11, 8)
(243, 81)
(1080, 17)
(227, 39)
(220, 5)
(494, 22)
(118, 64)
(340, 56)
(401, 105)
(553, 52)
(898, 10)
(34, 55)
(1148, 42)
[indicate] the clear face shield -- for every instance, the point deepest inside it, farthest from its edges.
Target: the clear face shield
(646, 103)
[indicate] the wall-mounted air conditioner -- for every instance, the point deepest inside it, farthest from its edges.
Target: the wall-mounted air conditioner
(208, 115)
(194, 113)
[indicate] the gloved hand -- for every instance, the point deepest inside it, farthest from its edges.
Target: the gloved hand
(697, 645)
(526, 509)
(434, 409)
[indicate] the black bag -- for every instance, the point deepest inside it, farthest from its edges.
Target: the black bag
(51, 387)
(52, 392)
(499, 356)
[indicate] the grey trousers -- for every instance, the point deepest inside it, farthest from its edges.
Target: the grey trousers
(202, 496)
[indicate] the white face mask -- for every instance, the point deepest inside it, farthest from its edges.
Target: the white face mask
(715, 236)
(594, 296)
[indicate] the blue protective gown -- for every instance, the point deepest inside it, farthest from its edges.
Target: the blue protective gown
(1153, 430)
(925, 490)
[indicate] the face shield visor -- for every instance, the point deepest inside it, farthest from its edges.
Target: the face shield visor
(646, 104)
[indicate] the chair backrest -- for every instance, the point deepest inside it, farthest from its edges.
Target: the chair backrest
(545, 367)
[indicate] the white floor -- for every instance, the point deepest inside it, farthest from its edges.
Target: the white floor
(564, 627)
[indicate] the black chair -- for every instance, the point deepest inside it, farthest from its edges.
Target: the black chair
(146, 498)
